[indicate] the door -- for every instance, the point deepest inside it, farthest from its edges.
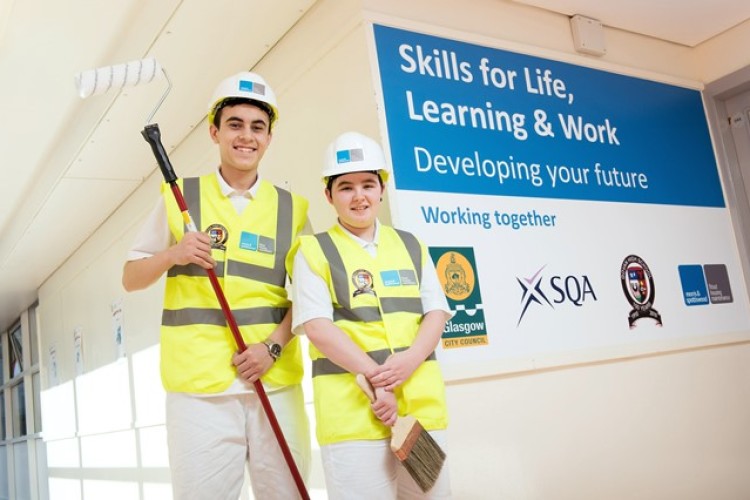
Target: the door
(738, 111)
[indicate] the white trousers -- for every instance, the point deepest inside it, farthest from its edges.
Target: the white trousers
(211, 439)
(368, 470)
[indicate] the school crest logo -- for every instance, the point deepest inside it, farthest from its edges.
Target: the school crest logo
(218, 235)
(638, 287)
(362, 280)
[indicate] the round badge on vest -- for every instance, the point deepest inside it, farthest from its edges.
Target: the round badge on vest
(218, 235)
(362, 279)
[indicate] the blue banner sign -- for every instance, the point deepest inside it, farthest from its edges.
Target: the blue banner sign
(464, 118)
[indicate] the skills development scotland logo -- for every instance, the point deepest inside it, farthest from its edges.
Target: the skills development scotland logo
(705, 284)
(457, 271)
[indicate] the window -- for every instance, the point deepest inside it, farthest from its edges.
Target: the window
(2, 415)
(33, 337)
(36, 384)
(20, 430)
(2, 392)
(2, 361)
(18, 407)
(15, 352)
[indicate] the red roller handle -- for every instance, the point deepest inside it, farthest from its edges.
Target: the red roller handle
(152, 135)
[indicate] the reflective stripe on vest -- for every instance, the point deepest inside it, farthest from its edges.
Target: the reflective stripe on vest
(276, 275)
(387, 304)
(197, 346)
(199, 316)
(342, 411)
(324, 366)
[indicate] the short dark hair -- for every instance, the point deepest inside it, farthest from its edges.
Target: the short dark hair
(234, 101)
(332, 178)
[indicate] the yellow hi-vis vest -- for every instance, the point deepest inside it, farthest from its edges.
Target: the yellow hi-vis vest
(196, 343)
(377, 303)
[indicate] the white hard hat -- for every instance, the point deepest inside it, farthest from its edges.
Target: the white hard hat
(245, 85)
(354, 152)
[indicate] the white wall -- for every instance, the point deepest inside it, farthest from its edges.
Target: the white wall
(662, 426)
(720, 56)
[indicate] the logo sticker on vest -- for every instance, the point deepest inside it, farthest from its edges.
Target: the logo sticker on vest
(257, 243)
(401, 277)
(218, 235)
(362, 279)
(266, 244)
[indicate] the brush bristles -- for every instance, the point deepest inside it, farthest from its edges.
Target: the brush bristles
(418, 452)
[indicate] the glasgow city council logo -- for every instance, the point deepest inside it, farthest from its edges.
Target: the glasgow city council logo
(638, 286)
(457, 272)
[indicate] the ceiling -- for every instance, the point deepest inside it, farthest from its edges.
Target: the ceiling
(66, 163)
(685, 22)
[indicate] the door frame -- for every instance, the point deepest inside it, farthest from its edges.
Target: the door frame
(714, 96)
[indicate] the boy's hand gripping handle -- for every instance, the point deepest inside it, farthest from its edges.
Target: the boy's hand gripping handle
(152, 135)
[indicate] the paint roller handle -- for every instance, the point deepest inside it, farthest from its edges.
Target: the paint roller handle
(152, 135)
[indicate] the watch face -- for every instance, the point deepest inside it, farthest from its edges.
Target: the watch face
(274, 349)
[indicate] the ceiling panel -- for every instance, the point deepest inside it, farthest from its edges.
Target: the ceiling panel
(686, 22)
(36, 81)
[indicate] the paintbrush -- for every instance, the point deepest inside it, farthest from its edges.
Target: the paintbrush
(412, 444)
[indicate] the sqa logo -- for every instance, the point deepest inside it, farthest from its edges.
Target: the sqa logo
(558, 289)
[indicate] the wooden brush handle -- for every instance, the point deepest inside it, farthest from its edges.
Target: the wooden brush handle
(366, 387)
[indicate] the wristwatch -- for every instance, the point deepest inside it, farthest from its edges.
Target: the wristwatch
(274, 349)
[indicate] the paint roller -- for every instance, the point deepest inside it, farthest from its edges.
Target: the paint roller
(101, 80)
